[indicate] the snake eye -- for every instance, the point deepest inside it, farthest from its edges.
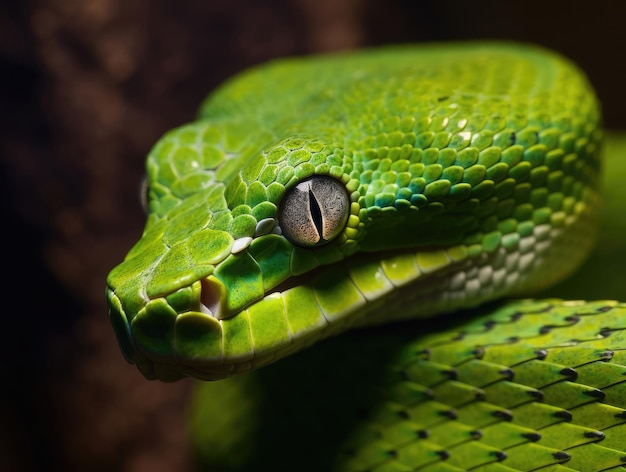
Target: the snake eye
(314, 212)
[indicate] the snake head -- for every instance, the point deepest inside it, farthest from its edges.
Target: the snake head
(371, 187)
(218, 267)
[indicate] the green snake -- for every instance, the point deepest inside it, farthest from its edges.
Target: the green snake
(416, 183)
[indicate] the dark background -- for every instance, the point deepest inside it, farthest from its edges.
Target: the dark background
(87, 86)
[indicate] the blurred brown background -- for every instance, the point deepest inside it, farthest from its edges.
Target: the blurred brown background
(87, 87)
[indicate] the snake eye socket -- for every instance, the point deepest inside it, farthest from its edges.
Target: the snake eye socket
(314, 212)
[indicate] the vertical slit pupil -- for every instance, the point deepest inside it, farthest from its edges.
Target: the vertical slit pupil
(316, 214)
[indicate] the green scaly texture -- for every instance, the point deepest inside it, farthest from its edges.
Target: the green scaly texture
(472, 172)
(530, 385)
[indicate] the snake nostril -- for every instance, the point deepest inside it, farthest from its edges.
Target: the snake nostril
(209, 297)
